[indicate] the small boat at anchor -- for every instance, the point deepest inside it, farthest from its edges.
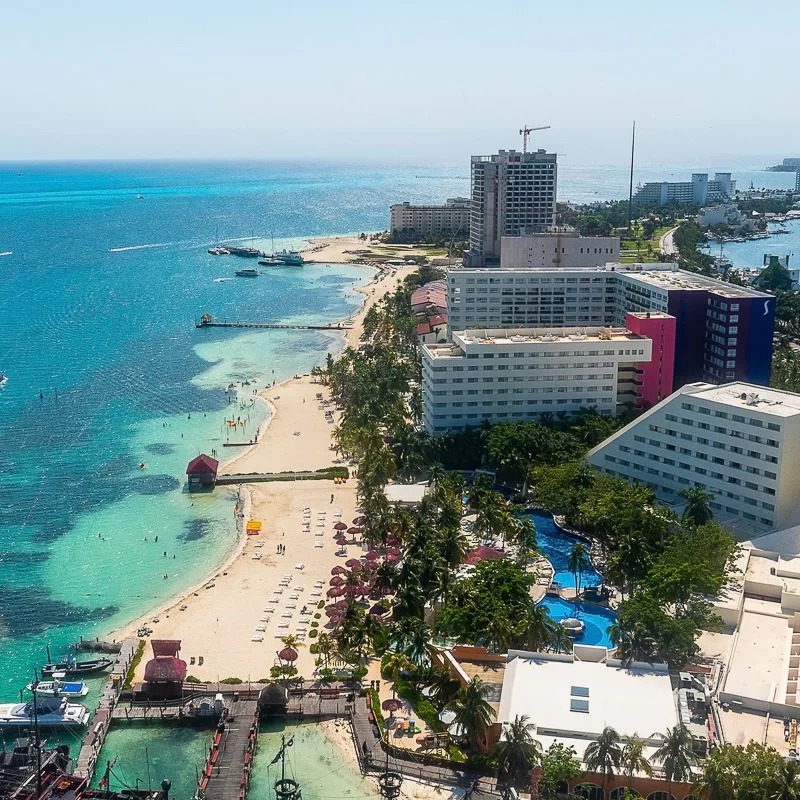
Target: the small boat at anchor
(247, 272)
(59, 687)
(73, 667)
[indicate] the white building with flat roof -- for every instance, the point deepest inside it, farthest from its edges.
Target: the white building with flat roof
(571, 698)
(697, 191)
(505, 375)
(557, 249)
(739, 441)
(430, 220)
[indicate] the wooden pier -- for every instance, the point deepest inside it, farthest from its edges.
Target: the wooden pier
(333, 326)
(96, 735)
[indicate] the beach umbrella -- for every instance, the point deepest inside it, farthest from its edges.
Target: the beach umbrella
(457, 731)
(354, 529)
(332, 611)
(337, 580)
(392, 557)
(351, 591)
(342, 605)
(336, 591)
(288, 654)
(377, 610)
(393, 541)
(372, 555)
(447, 717)
(364, 590)
(483, 553)
(353, 563)
(337, 570)
(359, 520)
(393, 551)
(341, 539)
(340, 526)
(391, 705)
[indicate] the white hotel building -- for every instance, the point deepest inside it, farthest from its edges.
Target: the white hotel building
(739, 441)
(511, 375)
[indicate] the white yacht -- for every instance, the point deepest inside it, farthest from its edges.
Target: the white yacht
(51, 712)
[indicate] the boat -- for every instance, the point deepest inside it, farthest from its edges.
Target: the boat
(247, 272)
(73, 667)
(289, 257)
(218, 251)
(3, 380)
(50, 712)
(7, 253)
(271, 261)
(243, 252)
(139, 196)
(59, 688)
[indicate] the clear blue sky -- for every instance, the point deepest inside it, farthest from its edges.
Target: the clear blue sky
(431, 81)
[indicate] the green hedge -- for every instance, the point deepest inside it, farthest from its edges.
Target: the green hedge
(423, 707)
(134, 663)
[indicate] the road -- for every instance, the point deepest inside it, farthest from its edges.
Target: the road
(667, 244)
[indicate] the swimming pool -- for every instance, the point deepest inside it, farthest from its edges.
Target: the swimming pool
(597, 619)
(555, 544)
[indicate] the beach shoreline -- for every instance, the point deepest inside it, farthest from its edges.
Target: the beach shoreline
(292, 404)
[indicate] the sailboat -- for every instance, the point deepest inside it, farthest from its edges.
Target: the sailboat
(139, 196)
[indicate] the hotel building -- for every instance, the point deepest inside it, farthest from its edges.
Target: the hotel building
(511, 375)
(698, 191)
(558, 248)
(723, 332)
(512, 193)
(739, 441)
(448, 219)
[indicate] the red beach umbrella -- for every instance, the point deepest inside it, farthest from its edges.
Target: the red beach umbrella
(351, 591)
(336, 591)
(483, 553)
(391, 705)
(392, 557)
(342, 605)
(288, 654)
(340, 526)
(337, 580)
(353, 563)
(337, 570)
(353, 530)
(372, 555)
(332, 611)
(359, 520)
(364, 590)
(393, 551)
(393, 541)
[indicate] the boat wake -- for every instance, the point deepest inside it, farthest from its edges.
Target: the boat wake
(138, 247)
(222, 280)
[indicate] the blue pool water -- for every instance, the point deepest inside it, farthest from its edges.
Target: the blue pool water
(596, 618)
(555, 544)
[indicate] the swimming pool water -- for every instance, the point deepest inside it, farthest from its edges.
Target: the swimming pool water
(555, 544)
(597, 619)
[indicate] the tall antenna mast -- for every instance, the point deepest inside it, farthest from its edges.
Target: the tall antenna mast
(285, 788)
(630, 193)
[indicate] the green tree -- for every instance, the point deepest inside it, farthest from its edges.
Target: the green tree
(633, 760)
(559, 765)
(517, 752)
(395, 666)
(577, 562)
(541, 628)
(697, 510)
(775, 278)
(444, 687)
(473, 711)
(677, 755)
(411, 636)
(604, 754)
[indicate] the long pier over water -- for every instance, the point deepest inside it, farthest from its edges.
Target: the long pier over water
(333, 326)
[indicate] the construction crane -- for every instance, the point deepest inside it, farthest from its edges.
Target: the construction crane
(525, 131)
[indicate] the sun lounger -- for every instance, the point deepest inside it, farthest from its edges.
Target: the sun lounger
(261, 629)
(257, 638)
(279, 590)
(269, 610)
(279, 635)
(300, 566)
(291, 605)
(294, 596)
(316, 594)
(287, 615)
(283, 625)
(273, 600)
(299, 588)
(317, 544)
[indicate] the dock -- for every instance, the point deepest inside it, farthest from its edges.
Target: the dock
(333, 326)
(91, 745)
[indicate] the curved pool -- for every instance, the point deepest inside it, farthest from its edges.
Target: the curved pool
(597, 619)
(555, 545)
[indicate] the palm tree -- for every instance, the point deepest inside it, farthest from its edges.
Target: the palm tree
(473, 711)
(697, 510)
(290, 640)
(633, 759)
(577, 561)
(443, 686)
(604, 754)
(540, 628)
(560, 640)
(787, 781)
(676, 754)
(410, 636)
(518, 751)
(394, 667)
(326, 647)
(453, 545)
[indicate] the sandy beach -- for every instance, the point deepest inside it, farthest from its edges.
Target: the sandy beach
(349, 249)
(217, 619)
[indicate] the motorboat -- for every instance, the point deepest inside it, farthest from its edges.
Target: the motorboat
(218, 251)
(58, 687)
(3, 379)
(243, 252)
(50, 712)
(247, 272)
(290, 257)
(73, 667)
(271, 261)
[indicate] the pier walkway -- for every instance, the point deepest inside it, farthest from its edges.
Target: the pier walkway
(96, 735)
(227, 772)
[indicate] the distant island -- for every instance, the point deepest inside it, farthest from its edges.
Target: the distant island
(788, 165)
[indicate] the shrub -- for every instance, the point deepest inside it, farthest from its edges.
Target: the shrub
(134, 663)
(232, 681)
(317, 615)
(191, 679)
(321, 604)
(423, 707)
(312, 634)
(314, 649)
(359, 673)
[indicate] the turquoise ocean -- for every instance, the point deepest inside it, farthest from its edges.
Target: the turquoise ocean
(106, 370)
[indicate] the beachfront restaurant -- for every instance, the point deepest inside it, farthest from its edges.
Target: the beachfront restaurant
(165, 673)
(202, 472)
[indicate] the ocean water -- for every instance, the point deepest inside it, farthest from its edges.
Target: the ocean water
(106, 370)
(751, 254)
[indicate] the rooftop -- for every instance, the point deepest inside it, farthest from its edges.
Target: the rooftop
(565, 695)
(748, 397)
(405, 494)
(544, 335)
